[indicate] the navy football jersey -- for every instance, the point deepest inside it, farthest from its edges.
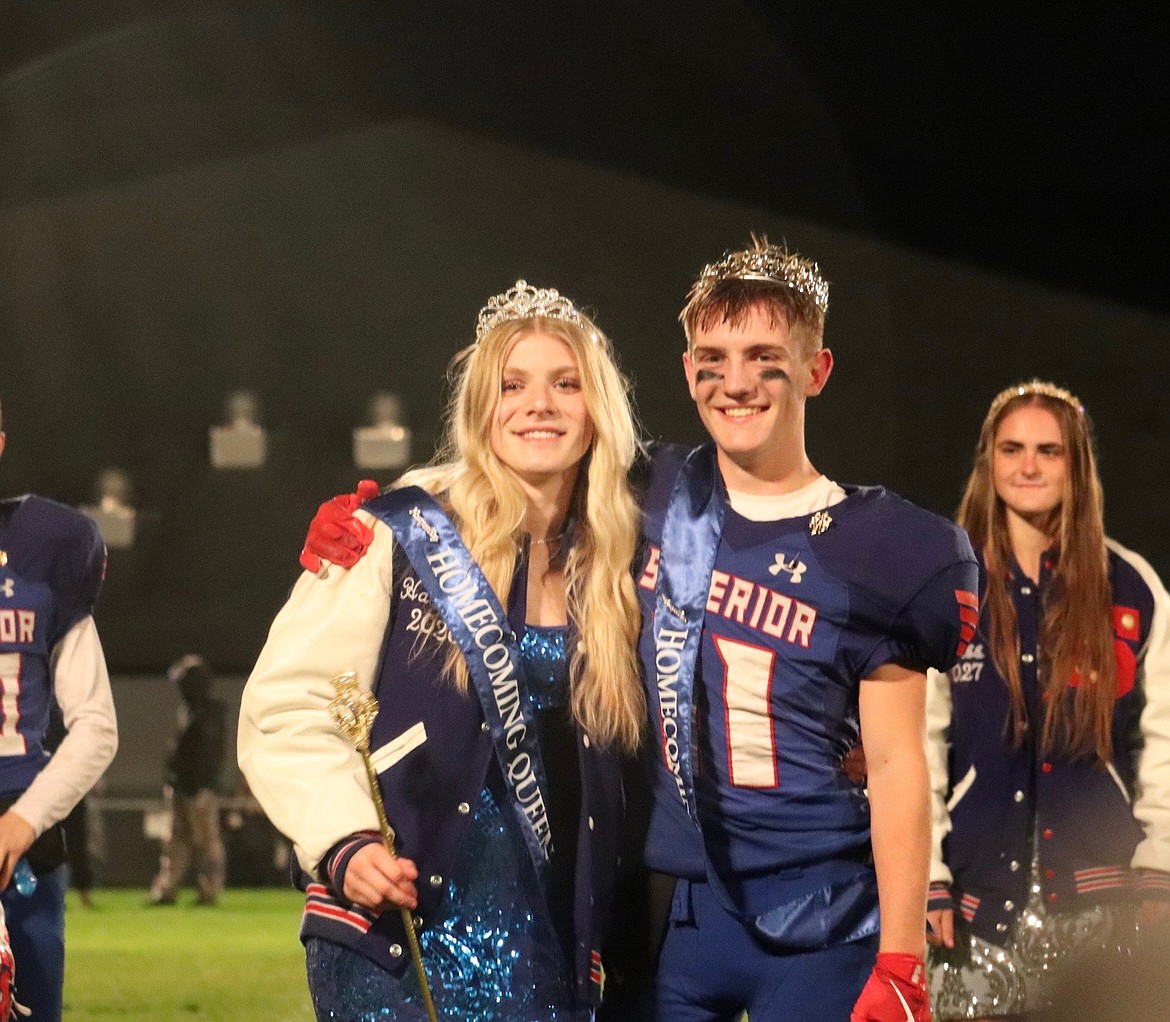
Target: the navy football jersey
(53, 564)
(799, 611)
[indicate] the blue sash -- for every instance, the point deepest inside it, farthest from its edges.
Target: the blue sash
(690, 541)
(833, 903)
(480, 628)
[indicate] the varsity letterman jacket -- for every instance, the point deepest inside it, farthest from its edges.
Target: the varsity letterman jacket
(1101, 833)
(430, 746)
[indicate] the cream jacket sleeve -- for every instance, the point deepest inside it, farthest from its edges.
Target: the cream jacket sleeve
(938, 722)
(1151, 807)
(309, 780)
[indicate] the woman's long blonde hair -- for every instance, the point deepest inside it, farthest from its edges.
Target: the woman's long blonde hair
(1076, 637)
(487, 505)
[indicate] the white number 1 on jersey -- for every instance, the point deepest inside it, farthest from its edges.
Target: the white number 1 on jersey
(11, 740)
(747, 697)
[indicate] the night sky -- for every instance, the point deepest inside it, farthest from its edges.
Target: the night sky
(1027, 144)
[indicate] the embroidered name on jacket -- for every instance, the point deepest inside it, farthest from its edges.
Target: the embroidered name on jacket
(970, 667)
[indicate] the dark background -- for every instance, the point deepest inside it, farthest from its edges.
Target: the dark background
(313, 199)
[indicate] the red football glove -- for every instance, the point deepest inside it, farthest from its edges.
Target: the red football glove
(8, 1005)
(895, 991)
(335, 535)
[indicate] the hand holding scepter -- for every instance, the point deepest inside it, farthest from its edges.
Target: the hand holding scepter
(353, 709)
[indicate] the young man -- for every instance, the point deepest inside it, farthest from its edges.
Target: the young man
(785, 618)
(52, 562)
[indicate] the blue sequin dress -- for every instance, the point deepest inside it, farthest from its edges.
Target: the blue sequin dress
(499, 955)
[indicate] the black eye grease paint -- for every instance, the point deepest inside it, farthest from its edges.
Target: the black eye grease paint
(707, 375)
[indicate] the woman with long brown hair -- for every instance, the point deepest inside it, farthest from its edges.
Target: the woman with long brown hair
(1050, 740)
(494, 620)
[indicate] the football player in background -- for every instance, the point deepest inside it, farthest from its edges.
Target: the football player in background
(52, 562)
(785, 618)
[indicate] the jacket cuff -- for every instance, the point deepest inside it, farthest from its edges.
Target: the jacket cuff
(1153, 885)
(939, 897)
(336, 862)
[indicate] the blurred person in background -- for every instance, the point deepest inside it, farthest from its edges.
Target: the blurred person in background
(1050, 739)
(52, 564)
(193, 777)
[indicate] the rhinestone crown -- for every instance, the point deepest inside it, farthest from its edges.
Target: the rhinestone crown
(526, 302)
(773, 263)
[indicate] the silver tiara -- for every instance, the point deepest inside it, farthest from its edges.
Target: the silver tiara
(771, 263)
(526, 302)
(1031, 388)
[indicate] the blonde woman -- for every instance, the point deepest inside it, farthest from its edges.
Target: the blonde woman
(498, 734)
(1051, 737)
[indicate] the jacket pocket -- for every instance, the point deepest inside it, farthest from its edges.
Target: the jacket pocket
(390, 753)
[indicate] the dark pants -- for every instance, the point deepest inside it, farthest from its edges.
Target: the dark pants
(713, 967)
(36, 928)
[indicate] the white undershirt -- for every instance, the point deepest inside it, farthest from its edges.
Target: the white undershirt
(82, 687)
(771, 507)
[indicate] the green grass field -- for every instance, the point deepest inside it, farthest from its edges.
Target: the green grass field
(239, 960)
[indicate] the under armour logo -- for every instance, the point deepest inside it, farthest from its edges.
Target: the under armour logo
(9, 587)
(795, 568)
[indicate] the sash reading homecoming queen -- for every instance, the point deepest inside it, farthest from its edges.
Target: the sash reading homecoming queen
(480, 628)
(690, 542)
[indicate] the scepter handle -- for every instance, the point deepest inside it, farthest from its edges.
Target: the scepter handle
(379, 805)
(407, 918)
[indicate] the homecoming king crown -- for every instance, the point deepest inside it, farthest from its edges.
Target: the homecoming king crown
(526, 302)
(771, 263)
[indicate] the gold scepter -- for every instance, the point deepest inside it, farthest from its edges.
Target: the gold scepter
(353, 709)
